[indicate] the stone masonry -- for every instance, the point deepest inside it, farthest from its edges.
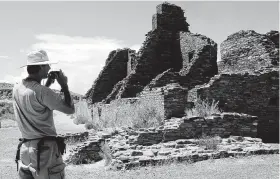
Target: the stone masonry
(115, 70)
(249, 51)
(171, 143)
(199, 54)
(256, 94)
(175, 66)
(170, 17)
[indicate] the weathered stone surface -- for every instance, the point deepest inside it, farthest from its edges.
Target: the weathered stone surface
(163, 79)
(199, 55)
(170, 17)
(114, 71)
(255, 94)
(175, 130)
(158, 53)
(274, 37)
(249, 51)
(192, 150)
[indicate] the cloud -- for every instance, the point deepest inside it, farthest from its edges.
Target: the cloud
(80, 58)
(4, 57)
(14, 79)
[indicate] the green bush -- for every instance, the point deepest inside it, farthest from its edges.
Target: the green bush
(203, 108)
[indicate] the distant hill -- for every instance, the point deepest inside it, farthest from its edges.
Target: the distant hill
(6, 91)
(6, 85)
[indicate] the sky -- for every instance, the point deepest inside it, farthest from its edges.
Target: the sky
(80, 35)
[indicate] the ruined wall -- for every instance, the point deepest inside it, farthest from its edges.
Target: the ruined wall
(174, 98)
(168, 101)
(169, 17)
(249, 51)
(155, 56)
(131, 61)
(199, 55)
(223, 125)
(115, 70)
(256, 94)
(159, 52)
(163, 79)
(6, 94)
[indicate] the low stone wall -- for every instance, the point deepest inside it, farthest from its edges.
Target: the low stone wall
(127, 155)
(85, 153)
(223, 125)
(75, 137)
(6, 93)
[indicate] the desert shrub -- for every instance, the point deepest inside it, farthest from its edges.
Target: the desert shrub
(203, 108)
(89, 125)
(6, 110)
(129, 115)
(147, 116)
(80, 120)
(209, 142)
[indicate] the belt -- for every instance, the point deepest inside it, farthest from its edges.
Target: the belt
(59, 140)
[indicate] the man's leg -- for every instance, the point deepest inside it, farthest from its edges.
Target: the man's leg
(51, 162)
(23, 169)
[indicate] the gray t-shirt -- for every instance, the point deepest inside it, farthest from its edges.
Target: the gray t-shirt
(33, 106)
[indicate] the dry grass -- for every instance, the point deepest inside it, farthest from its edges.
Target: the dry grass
(203, 108)
(144, 116)
(209, 142)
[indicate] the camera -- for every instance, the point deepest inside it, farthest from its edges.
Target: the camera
(53, 74)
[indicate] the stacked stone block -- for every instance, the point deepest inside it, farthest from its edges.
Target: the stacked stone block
(249, 51)
(255, 94)
(75, 137)
(199, 54)
(169, 17)
(114, 71)
(223, 125)
(85, 153)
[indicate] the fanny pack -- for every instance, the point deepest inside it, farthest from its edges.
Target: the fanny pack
(59, 140)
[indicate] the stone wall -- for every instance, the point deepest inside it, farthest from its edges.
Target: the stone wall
(169, 17)
(256, 94)
(157, 54)
(114, 71)
(131, 61)
(178, 140)
(163, 79)
(223, 125)
(199, 54)
(6, 94)
(168, 101)
(249, 51)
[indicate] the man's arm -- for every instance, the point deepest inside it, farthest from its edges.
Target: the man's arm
(54, 101)
(67, 96)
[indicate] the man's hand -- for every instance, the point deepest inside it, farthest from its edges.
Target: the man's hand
(49, 82)
(62, 79)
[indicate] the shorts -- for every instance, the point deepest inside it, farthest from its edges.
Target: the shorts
(51, 162)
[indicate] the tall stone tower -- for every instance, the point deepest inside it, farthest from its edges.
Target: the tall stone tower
(169, 17)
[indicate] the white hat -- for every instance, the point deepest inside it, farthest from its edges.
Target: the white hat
(38, 57)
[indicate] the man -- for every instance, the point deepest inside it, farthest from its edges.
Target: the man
(40, 150)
